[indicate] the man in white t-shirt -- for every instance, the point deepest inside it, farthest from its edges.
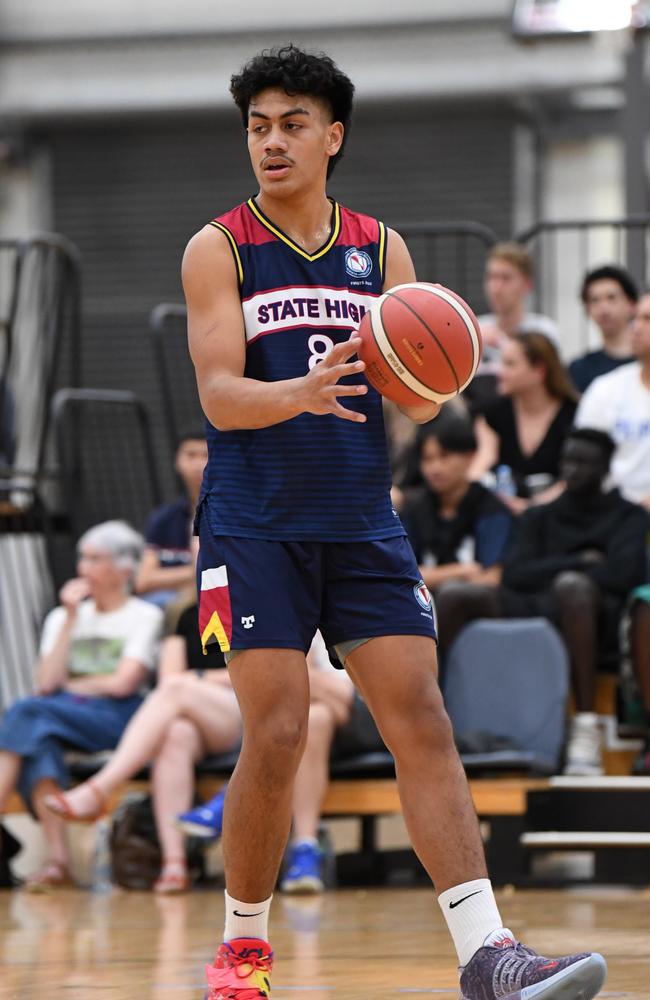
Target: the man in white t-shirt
(619, 403)
(97, 650)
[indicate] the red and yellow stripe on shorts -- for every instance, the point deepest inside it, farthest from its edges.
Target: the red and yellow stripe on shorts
(215, 612)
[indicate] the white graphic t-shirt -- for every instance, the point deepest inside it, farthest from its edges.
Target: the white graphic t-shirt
(100, 639)
(619, 403)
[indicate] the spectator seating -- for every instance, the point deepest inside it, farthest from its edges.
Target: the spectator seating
(510, 679)
(106, 457)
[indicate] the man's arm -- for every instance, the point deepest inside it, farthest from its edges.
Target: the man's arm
(217, 342)
(152, 576)
(122, 683)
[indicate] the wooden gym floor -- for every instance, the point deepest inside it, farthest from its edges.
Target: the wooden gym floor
(74, 945)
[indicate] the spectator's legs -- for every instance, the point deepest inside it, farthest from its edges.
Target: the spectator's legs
(640, 648)
(54, 828)
(273, 692)
(313, 773)
(578, 604)
(210, 707)
(173, 786)
(9, 771)
(457, 604)
(303, 871)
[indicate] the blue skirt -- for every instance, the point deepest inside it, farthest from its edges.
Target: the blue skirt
(40, 729)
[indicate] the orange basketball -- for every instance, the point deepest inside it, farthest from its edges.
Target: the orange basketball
(421, 343)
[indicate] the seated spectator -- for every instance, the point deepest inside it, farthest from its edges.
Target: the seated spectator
(340, 726)
(191, 713)
(524, 428)
(574, 561)
(609, 295)
(97, 651)
(167, 566)
(619, 403)
(459, 529)
(508, 282)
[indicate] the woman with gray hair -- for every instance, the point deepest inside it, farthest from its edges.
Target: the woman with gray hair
(97, 651)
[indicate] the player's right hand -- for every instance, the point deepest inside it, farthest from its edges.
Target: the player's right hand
(319, 391)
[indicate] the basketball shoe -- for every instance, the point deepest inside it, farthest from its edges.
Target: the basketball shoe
(508, 970)
(304, 869)
(241, 970)
(205, 821)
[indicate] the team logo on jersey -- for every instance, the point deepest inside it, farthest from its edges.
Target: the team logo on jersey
(422, 595)
(358, 263)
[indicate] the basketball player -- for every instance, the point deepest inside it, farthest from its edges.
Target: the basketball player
(297, 530)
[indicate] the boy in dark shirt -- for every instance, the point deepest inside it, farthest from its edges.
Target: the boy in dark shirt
(167, 566)
(609, 295)
(459, 530)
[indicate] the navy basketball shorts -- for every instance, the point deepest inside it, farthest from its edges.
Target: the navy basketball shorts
(257, 594)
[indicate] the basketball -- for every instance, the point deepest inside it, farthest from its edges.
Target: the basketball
(421, 343)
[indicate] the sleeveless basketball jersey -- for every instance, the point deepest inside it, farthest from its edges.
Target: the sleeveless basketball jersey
(316, 478)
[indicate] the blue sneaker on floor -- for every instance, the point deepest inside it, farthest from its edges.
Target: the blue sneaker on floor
(509, 970)
(204, 821)
(303, 871)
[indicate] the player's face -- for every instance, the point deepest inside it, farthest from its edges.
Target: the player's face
(641, 329)
(191, 459)
(516, 374)
(290, 140)
(608, 306)
(443, 471)
(506, 287)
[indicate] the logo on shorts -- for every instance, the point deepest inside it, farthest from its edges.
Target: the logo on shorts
(358, 263)
(422, 595)
(248, 621)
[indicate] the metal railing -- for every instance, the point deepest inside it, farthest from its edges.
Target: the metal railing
(564, 251)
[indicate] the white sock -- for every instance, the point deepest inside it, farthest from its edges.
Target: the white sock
(247, 920)
(472, 916)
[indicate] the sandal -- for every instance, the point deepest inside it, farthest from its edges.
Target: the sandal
(59, 804)
(173, 878)
(53, 875)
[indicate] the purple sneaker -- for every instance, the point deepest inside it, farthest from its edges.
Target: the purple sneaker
(508, 970)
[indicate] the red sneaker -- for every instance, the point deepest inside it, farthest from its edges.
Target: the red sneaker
(241, 970)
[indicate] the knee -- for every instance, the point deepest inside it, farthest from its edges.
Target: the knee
(419, 722)
(172, 685)
(575, 589)
(181, 737)
(279, 739)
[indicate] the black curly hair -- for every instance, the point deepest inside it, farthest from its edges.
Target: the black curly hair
(296, 72)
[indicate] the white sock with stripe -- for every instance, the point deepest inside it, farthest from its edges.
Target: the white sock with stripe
(247, 920)
(472, 916)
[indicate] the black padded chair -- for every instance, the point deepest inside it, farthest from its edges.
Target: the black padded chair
(181, 405)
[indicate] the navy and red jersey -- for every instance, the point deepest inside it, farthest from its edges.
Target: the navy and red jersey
(316, 478)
